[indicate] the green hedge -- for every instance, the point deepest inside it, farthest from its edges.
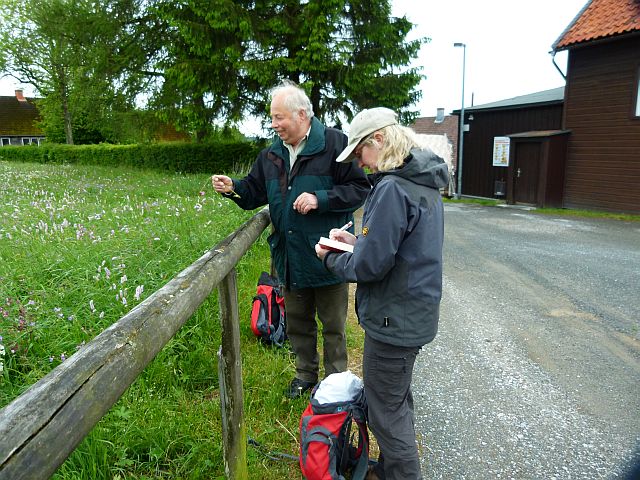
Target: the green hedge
(177, 157)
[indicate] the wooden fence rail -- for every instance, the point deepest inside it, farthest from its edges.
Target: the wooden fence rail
(40, 428)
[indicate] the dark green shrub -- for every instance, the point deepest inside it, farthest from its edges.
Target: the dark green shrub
(177, 157)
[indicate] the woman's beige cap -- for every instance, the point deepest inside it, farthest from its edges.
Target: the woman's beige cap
(363, 124)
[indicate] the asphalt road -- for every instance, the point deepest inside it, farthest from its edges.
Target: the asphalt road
(535, 372)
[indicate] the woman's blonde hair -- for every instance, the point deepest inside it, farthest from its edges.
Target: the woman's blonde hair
(398, 142)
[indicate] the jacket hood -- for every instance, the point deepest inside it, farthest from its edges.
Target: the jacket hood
(424, 168)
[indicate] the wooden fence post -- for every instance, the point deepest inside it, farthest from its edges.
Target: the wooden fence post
(234, 435)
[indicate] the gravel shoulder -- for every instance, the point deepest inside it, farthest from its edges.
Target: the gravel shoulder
(535, 372)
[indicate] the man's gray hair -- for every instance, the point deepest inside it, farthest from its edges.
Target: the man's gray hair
(295, 98)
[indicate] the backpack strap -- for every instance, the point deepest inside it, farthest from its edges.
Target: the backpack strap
(362, 466)
(277, 335)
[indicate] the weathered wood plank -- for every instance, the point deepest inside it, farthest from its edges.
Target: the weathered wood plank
(44, 425)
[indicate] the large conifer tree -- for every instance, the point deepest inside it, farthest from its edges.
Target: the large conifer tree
(349, 55)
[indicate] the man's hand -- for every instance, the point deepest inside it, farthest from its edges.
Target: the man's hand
(222, 183)
(305, 203)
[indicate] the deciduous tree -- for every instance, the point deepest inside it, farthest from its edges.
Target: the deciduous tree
(83, 58)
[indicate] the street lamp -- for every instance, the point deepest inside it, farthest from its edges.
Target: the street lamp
(461, 133)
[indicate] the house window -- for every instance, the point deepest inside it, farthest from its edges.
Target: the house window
(6, 141)
(30, 141)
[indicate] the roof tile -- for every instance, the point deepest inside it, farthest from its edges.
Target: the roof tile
(18, 118)
(600, 19)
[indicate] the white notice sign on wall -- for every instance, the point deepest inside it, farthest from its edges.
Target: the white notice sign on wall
(500, 151)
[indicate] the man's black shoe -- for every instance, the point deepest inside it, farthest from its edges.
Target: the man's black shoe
(297, 387)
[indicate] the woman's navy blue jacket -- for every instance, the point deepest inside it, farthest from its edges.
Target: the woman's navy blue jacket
(397, 259)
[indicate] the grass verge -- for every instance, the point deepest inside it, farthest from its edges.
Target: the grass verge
(568, 212)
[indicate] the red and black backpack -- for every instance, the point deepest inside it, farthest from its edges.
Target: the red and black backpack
(268, 318)
(329, 449)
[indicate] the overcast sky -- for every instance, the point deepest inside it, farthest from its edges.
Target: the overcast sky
(507, 49)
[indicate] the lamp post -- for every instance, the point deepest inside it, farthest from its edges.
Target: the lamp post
(461, 132)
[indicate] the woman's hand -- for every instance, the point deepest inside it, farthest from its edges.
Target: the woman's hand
(338, 235)
(342, 236)
(321, 252)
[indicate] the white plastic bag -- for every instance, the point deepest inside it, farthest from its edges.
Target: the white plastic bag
(338, 387)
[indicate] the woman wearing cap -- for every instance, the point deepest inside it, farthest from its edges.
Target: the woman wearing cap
(397, 264)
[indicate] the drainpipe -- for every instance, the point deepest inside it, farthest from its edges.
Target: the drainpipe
(553, 60)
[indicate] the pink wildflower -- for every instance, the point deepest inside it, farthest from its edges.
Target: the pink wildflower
(139, 290)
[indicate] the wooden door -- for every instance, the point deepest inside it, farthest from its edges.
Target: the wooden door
(526, 170)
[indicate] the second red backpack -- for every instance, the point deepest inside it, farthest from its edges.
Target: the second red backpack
(268, 318)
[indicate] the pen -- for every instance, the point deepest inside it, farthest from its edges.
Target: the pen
(346, 225)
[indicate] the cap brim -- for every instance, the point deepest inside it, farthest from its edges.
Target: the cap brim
(347, 154)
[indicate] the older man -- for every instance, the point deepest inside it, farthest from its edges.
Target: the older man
(308, 194)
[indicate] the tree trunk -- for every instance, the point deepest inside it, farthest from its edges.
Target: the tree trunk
(315, 101)
(68, 131)
(201, 130)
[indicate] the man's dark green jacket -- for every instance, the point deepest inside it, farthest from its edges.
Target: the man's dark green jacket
(340, 188)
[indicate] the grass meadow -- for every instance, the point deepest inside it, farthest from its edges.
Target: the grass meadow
(82, 245)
